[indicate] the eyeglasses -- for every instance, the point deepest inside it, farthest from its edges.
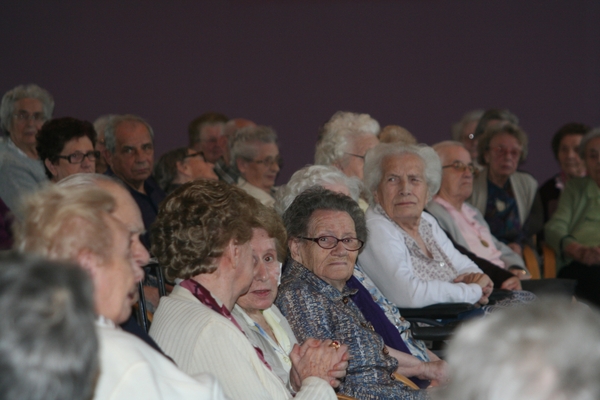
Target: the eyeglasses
(356, 155)
(25, 116)
(77, 157)
(329, 242)
(270, 161)
(199, 154)
(502, 151)
(462, 167)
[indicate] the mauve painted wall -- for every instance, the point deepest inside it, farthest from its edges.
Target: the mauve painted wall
(292, 64)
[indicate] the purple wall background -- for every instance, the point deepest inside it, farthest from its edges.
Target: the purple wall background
(292, 64)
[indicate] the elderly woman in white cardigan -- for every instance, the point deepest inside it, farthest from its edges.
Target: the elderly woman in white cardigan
(409, 257)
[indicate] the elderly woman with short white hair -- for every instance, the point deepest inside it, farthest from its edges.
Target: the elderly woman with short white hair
(408, 256)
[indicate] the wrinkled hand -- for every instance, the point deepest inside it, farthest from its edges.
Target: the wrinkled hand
(317, 358)
(584, 254)
(484, 281)
(435, 371)
(513, 283)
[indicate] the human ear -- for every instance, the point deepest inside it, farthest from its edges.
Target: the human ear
(51, 167)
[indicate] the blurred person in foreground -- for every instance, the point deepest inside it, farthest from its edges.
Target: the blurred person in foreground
(547, 350)
(49, 346)
(76, 224)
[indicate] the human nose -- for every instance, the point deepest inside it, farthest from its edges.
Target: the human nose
(339, 249)
(140, 254)
(260, 272)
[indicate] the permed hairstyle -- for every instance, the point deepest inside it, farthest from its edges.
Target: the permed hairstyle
(298, 215)
(432, 167)
(572, 128)
(53, 136)
(110, 139)
(49, 348)
(314, 175)
(59, 222)
(31, 91)
(494, 114)
(483, 145)
(339, 133)
(545, 350)
(195, 224)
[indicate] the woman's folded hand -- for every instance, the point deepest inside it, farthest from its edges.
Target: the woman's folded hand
(324, 359)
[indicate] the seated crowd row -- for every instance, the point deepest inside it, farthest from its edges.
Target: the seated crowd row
(292, 291)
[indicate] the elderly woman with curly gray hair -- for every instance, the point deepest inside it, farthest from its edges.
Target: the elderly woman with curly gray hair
(409, 257)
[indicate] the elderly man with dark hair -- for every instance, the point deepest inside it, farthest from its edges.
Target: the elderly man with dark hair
(130, 155)
(176, 167)
(255, 154)
(66, 147)
(205, 134)
(23, 111)
(49, 345)
(64, 223)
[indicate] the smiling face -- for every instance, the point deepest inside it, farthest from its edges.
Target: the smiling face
(457, 185)
(263, 289)
(592, 159)
(63, 168)
(504, 155)
(23, 132)
(334, 266)
(263, 169)
(568, 156)
(402, 192)
(134, 154)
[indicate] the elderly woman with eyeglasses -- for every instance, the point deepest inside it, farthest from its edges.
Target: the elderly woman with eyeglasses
(502, 194)
(409, 257)
(326, 231)
(463, 222)
(23, 111)
(255, 155)
(66, 147)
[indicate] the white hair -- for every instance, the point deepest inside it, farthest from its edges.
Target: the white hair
(340, 132)
(373, 173)
(10, 98)
(594, 133)
(548, 350)
(314, 175)
(110, 130)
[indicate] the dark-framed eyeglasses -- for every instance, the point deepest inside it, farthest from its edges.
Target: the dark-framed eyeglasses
(356, 155)
(329, 242)
(195, 154)
(462, 167)
(270, 161)
(25, 116)
(77, 157)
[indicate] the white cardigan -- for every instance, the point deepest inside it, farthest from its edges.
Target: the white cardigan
(385, 259)
(201, 340)
(130, 369)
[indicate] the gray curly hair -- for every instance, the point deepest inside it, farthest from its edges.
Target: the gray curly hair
(432, 166)
(314, 175)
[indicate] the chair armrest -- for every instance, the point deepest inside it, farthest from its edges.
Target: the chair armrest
(405, 380)
(344, 397)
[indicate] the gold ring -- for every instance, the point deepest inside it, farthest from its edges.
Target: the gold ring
(335, 344)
